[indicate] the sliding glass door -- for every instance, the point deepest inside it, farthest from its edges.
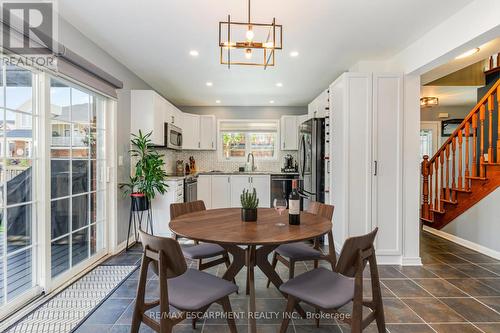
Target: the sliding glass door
(77, 163)
(19, 121)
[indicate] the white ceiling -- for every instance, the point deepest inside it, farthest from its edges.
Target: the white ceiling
(153, 39)
(451, 96)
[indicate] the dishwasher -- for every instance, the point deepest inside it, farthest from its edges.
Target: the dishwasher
(281, 186)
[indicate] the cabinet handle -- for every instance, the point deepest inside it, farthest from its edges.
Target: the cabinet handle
(212, 144)
(283, 145)
(173, 119)
(199, 145)
(375, 167)
(228, 179)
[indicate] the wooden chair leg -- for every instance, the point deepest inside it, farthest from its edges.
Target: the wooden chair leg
(141, 293)
(274, 264)
(199, 264)
(291, 269)
(317, 315)
(316, 263)
(288, 313)
(227, 262)
(377, 295)
(226, 306)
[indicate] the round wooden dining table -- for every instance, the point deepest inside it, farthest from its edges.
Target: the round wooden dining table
(251, 242)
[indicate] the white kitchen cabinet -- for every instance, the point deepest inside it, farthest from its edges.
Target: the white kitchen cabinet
(238, 184)
(319, 107)
(301, 119)
(220, 191)
(190, 131)
(160, 207)
(204, 190)
(366, 113)
(288, 133)
(262, 185)
(208, 132)
(148, 111)
(173, 115)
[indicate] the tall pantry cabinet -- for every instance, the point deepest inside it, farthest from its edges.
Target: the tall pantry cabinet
(366, 111)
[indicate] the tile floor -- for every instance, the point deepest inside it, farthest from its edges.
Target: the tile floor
(456, 290)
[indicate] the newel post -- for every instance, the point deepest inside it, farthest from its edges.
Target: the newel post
(425, 188)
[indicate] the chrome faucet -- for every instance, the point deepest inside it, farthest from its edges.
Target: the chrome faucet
(253, 161)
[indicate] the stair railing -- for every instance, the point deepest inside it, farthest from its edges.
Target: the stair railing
(464, 156)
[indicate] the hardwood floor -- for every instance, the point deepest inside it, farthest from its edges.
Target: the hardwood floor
(456, 290)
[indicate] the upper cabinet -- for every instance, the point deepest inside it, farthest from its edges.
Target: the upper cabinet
(148, 110)
(198, 132)
(289, 133)
(208, 130)
(191, 131)
(319, 107)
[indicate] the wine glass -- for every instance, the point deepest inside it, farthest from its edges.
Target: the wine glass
(280, 205)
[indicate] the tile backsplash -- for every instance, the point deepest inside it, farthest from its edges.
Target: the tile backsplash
(208, 160)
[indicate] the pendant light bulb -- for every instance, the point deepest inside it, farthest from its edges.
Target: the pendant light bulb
(250, 34)
(248, 53)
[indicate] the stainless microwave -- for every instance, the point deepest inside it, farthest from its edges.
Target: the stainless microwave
(173, 137)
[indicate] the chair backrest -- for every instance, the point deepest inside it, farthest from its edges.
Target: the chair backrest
(171, 251)
(178, 209)
(347, 264)
(325, 211)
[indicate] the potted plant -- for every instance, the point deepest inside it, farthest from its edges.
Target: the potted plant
(149, 177)
(249, 204)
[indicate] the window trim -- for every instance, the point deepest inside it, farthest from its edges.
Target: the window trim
(220, 148)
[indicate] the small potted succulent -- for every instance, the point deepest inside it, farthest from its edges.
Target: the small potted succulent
(249, 204)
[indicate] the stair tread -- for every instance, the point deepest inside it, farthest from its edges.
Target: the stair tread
(438, 211)
(486, 163)
(463, 190)
(426, 220)
(449, 201)
(477, 178)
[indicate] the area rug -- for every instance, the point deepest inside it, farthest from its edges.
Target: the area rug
(63, 312)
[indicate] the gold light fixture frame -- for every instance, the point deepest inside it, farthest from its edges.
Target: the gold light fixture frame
(269, 46)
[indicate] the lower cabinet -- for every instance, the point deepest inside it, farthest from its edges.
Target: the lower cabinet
(160, 207)
(223, 191)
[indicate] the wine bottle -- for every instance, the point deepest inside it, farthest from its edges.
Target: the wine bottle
(294, 205)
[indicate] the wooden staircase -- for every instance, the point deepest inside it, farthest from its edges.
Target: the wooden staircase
(467, 166)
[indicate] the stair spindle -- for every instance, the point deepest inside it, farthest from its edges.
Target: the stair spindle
(474, 145)
(425, 187)
(467, 174)
(460, 179)
(441, 192)
(498, 124)
(453, 172)
(436, 185)
(431, 206)
(491, 107)
(482, 118)
(447, 191)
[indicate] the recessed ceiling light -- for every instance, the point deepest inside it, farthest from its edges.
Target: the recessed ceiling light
(272, 102)
(468, 53)
(279, 84)
(217, 101)
(209, 84)
(294, 54)
(193, 53)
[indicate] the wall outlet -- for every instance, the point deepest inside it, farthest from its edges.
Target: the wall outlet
(120, 160)
(443, 115)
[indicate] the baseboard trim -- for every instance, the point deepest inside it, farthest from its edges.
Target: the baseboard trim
(411, 261)
(464, 242)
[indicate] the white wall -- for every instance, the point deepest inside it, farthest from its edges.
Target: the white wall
(80, 44)
(479, 224)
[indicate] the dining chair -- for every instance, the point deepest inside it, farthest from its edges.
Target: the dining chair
(328, 291)
(188, 290)
(289, 254)
(203, 251)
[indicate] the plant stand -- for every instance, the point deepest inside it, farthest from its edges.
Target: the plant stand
(137, 211)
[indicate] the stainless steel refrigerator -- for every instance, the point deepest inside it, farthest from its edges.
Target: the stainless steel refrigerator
(312, 161)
